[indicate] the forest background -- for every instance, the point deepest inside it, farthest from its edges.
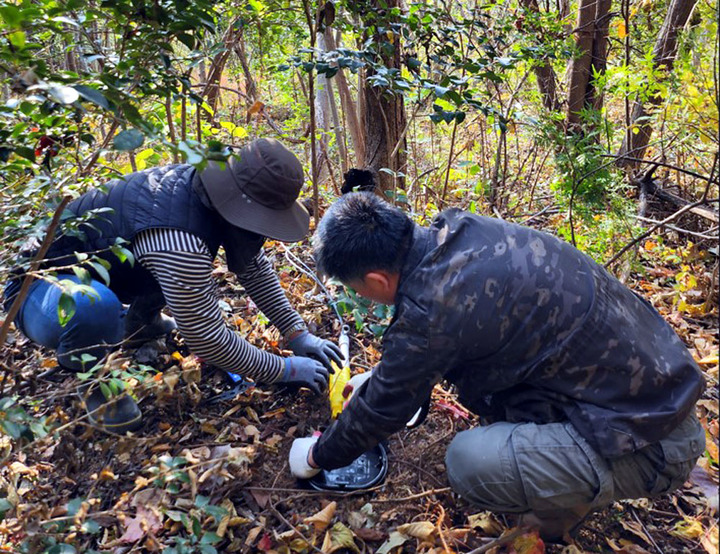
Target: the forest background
(592, 119)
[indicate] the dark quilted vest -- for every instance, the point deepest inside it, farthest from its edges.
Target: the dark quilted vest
(161, 197)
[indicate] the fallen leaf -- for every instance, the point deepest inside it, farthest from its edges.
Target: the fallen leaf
(395, 540)
(229, 508)
(107, 475)
(710, 540)
(625, 547)
(458, 534)
(420, 530)
(321, 520)
(529, 543)
(339, 537)
(148, 517)
(636, 529)
(253, 535)
(370, 535)
(261, 497)
(486, 522)
(704, 481)
(265, 543)
(688, 528)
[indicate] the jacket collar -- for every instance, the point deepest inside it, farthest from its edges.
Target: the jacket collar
(419, 246)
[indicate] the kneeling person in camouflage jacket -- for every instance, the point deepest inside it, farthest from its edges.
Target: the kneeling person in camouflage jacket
(590, 393)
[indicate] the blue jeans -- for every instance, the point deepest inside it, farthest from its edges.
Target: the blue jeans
(94, 329)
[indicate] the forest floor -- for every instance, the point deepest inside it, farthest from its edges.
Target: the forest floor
(212, 476)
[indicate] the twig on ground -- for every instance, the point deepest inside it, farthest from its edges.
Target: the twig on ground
(282, 518)
(413, 496)
(652, 229)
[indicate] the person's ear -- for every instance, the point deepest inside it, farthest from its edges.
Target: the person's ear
(377, 280)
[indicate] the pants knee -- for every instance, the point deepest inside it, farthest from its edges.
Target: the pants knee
(99, 315)
(481, 468)
(95, 326)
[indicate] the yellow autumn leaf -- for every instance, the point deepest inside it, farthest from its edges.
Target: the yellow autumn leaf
(689, 528)
(709, 360)
(422, 530)
(322, 519)
(621, 29)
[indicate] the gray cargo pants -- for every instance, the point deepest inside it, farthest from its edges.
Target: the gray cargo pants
(551, 471)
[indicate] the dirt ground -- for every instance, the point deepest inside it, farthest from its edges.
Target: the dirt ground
(212, 476)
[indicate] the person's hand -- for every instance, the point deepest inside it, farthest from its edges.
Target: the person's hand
(305, 372)
(307, 344)
(299, 459)
(353, 384)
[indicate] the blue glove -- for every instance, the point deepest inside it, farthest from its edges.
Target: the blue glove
(305, 372)
(306, 344)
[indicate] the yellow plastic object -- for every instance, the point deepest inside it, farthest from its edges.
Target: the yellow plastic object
(338, 380)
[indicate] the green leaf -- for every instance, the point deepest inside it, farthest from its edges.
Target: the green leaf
(82, 274)
(5, 506)
(210, 538)
(107, 393)
(74, 505)
(6, 403)
(440, 91)
(90, 527)
(128, 140)
(12, 15)
(92, 95)
(192, 156)
(101, 271)
(25, 152)
(17, 39)
(13, 429)
(66, 308)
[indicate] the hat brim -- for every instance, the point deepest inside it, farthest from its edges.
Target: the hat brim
(288, 225)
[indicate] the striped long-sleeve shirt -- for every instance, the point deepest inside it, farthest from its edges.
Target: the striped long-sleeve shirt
(182, 265)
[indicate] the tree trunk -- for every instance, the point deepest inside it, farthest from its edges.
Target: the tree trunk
(250, 87)
(322, 112)
(211, 91)
(544, 74)
(348, 106)
(384, 113)
(635, 144)
(591, 41)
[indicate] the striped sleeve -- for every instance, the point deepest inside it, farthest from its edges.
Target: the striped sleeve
(263, 286)
(182, 265)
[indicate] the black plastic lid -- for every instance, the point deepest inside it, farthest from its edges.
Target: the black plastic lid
(368, 470)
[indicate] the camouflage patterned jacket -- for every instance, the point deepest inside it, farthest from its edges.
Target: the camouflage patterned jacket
(529, 329)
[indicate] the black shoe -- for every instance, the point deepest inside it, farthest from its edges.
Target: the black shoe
(144, 321)
(119, 414)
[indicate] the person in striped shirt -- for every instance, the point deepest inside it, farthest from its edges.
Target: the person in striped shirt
(176, 219)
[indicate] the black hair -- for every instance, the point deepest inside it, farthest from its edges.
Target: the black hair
(361, 233)
(357, 180)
